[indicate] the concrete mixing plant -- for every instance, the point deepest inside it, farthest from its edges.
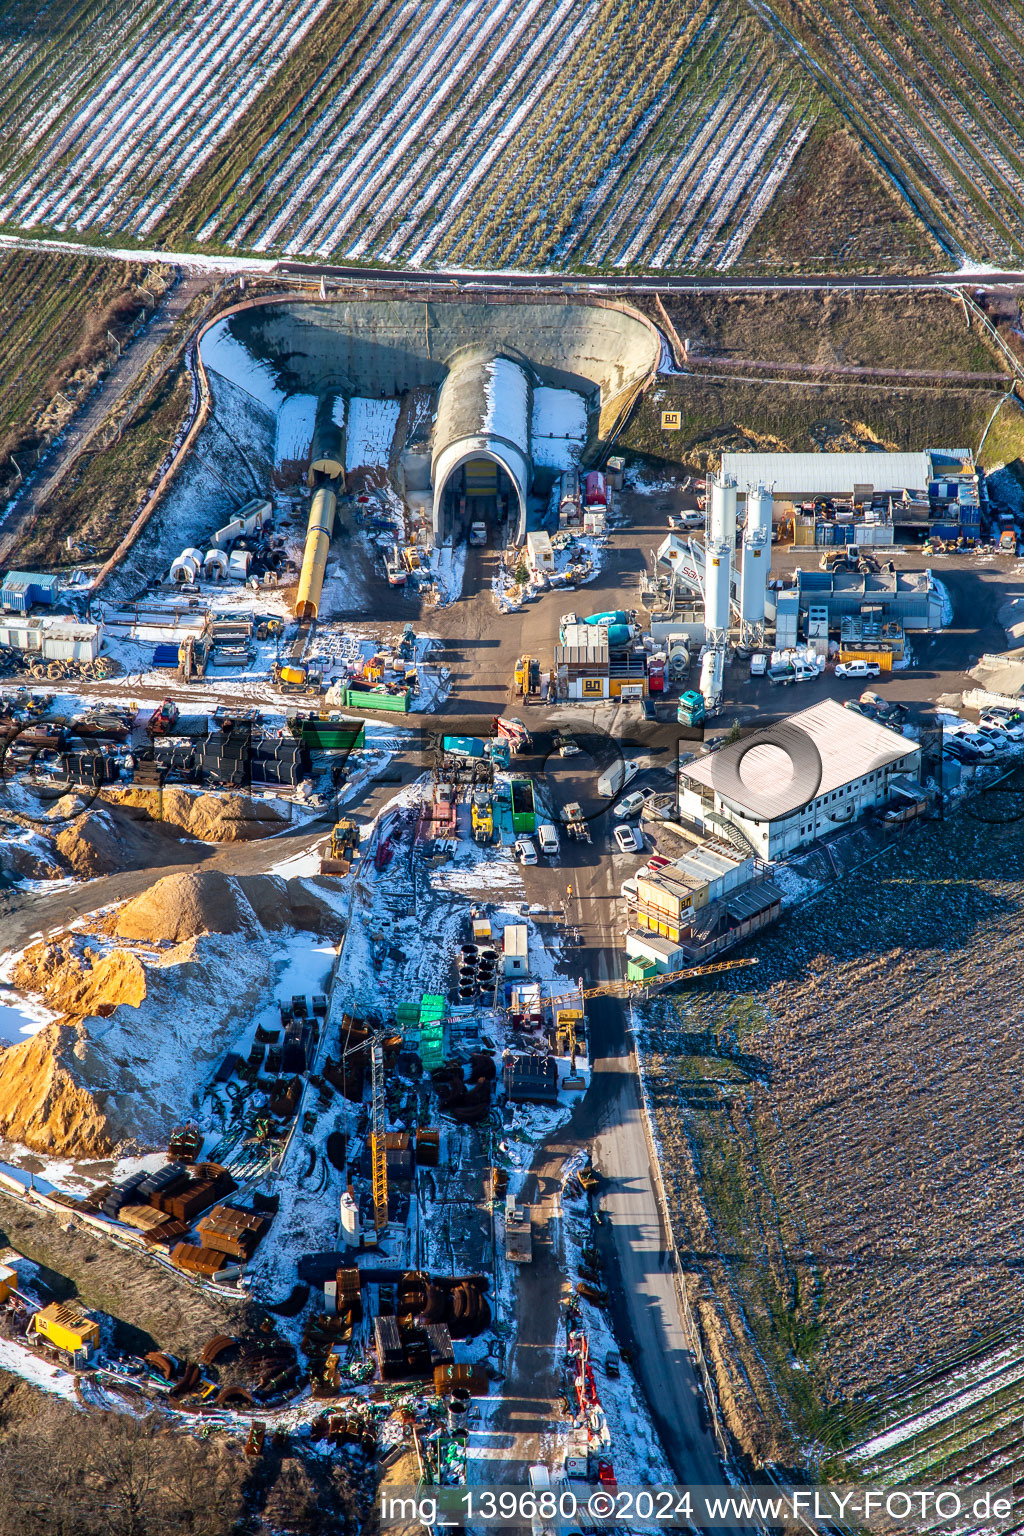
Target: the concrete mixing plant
(718, 589)
(757, 558)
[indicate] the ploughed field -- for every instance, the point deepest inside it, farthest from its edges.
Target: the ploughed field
(841, 1144)
(622, 134)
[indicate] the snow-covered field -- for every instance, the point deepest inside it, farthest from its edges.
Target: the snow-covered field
(458, 137)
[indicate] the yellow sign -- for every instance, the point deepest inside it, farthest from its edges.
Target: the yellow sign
(671, 421)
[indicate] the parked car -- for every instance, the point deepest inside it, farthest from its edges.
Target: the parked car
(526, 852)
(611, 1363)
(758, 664)
(628, 889)
(1011, 721)
(858, 669)
(999, 739)
(968, 749)
(691, 519)
(629, 839)
(630, 804)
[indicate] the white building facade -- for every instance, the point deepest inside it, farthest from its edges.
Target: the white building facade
(785, 787)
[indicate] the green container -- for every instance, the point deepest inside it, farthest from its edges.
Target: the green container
(407, 1013)
(432, 1007)
(641, 970)
(394, 703)
(524, 813)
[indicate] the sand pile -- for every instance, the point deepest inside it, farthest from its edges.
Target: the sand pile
(184, 906)
(76, 981)
(28, 858)
(141, 1032)
(41, 1104)
(213, 818)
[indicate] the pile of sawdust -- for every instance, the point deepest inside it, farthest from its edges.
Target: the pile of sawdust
(213, 818)
(184, 906)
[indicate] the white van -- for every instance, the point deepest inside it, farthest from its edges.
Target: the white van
(547, 839)
(616, 777)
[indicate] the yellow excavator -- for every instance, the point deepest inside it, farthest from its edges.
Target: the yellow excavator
(343, 851)
(527, 677)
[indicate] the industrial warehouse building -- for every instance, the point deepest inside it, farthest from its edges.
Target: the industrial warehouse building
(784, 787)
(868, 614)
(867, 498)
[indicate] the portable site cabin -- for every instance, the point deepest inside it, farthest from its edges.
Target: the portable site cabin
(516, 950)
(68, 1328)
(22, 589)
(540, 556)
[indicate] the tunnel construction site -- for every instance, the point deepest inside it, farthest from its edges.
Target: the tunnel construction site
(497, 373)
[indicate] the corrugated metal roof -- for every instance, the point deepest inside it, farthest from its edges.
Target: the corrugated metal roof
(848, 745)
(745, 904)
(827, 474)
(18, 581)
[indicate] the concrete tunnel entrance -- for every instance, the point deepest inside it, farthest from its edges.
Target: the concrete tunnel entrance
(479, 488)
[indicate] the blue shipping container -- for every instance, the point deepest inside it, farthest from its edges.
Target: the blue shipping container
(23, 588)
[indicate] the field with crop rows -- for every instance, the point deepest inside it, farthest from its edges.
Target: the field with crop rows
(109, 110)
(624, 133)
(937, 88)
(54, 316)
(842, 1148)
(490, 132)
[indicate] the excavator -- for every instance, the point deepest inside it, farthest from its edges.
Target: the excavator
(527, 677)
(344, 849)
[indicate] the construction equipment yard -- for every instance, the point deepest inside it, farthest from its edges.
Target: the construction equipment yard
(411, 1077)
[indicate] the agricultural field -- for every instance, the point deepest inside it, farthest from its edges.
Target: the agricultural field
(936, 90)
(840, 1144)
(586, 134)
(55, 313)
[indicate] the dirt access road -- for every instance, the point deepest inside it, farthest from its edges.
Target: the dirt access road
(111, 391)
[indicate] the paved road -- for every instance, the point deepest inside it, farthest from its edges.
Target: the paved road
(540, 281)
(87, 421)
(646, 1312)
(665, 283)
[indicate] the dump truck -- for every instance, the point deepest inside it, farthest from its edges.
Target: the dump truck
(518, 1232)
(483, 818)
(343, 851)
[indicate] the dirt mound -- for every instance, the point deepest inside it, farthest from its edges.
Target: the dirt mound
(280, 903)
(213, 818)
(29, 860)
(185, 906)
(41, 1105)
(76, 981)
